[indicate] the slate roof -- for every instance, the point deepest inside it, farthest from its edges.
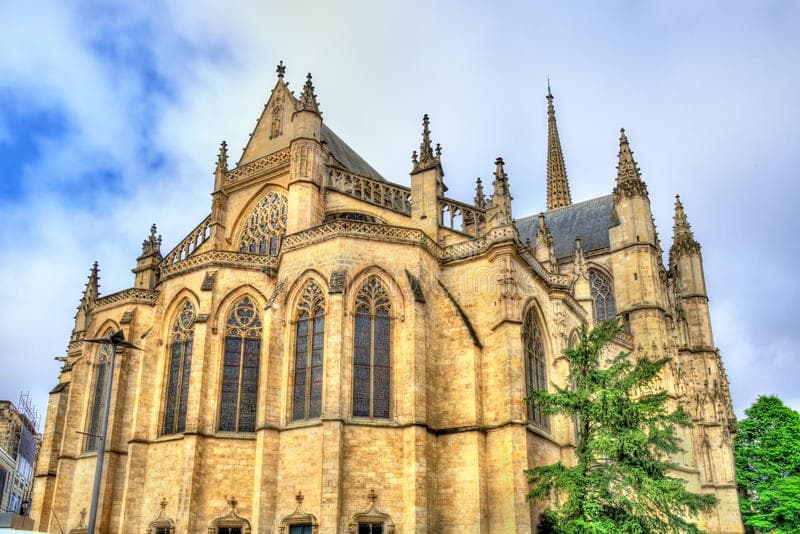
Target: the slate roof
(346, 156)
(587, 220)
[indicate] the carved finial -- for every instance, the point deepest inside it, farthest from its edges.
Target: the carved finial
(82, 519)
(151, 245)
(425, 151)
(480, 198)
(580, 260)
(232, 502)
(683, 241)
(308, 100)
(372, 496)
(222, 157)
(299, 498)
(558, 194)
(281, 70)
(501, 196)
(629, 179)
(414, 157)
(438, 150)
(163, 504)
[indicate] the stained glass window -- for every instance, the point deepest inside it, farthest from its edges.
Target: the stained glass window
(98, 396)
(240, 362)
(371, 352)
(602, 291)
(179, 369)
(535, 368)
(265, 227)
(308, 354)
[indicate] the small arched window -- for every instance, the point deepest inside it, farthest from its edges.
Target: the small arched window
(101, 376)
(371, 351)
(535, 367)
(308, 354)
(237, 411)
(265, 227)
(179, 369)
(602, 290)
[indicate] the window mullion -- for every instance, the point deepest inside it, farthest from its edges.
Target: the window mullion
(239, 389)
(372, 363)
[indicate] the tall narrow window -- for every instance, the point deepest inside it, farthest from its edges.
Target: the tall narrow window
(265, 227)
(602, 291)
(237, 412)
(535, 368)
(98, 396)
(308, 353)
(371, 352)
(180, 365)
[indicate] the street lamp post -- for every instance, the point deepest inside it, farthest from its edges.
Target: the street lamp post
(115, 340)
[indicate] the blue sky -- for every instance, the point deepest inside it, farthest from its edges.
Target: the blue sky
(111, 115)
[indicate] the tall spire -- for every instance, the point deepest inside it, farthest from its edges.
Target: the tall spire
(557, 185)
(683, 241)
(308, 100)
(629, 179)
(83, 317)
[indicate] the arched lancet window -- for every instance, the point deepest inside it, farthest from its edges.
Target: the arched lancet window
(179, 369)
(371, 351)
(535, 367)
(237, 411)
(602, 290)
(308, 354)
(98, 395)
(265, 227)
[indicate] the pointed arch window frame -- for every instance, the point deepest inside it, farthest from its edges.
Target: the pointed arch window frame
(601, 289)
(97, 400)
(372, 351)
(241, 360)
(308, 353)
(535, 365)
(179, 365)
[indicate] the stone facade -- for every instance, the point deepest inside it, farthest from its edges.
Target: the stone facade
(331, 349)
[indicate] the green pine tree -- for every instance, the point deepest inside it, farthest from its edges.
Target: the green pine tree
(621, 481)
(767, 448)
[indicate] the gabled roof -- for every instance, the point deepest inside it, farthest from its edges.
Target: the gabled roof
(346, 156)
(588, 220)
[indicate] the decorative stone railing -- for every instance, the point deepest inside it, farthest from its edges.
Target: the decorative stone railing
(392, 196)
(220, 258)
(379, 232)
(133, 295)
(462, 217)
(258, 166)
(190, 243)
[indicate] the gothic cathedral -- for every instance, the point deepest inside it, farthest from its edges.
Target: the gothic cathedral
(331, 352)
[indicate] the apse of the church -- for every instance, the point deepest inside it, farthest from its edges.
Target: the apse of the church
(330, 351)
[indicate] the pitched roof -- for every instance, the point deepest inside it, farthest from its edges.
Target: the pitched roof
(346, 156)
(586, 220)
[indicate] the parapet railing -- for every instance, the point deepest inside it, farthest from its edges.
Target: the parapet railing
(190, 243)
(392, 196)
(462, 217)
(257, 166)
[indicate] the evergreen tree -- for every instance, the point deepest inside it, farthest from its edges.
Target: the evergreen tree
(620, 482)
(767, 448)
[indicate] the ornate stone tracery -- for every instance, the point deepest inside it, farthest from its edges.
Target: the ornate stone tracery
(264, 229)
